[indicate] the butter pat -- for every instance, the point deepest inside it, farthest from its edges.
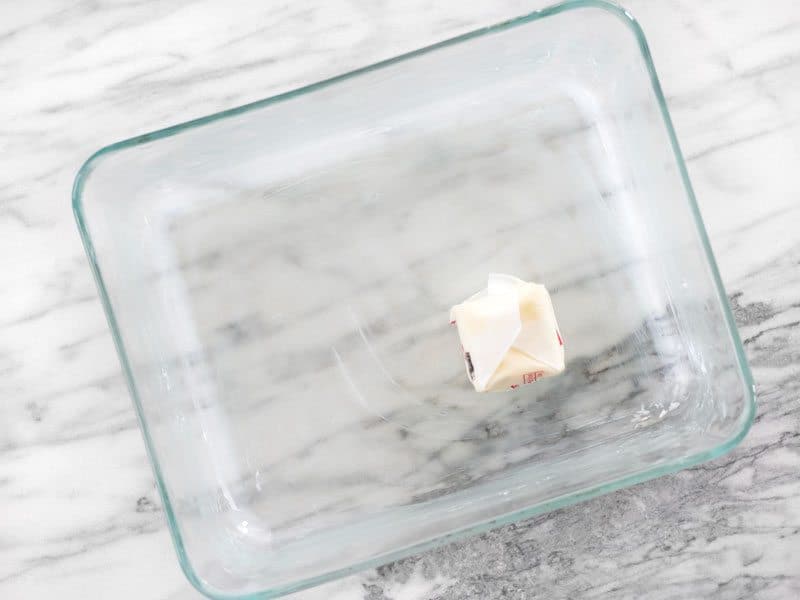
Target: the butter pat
(509, 334)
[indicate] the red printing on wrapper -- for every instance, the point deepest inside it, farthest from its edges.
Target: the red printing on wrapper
(560, 341)
(532, 377)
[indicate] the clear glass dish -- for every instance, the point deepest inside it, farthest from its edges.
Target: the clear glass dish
(278, 279)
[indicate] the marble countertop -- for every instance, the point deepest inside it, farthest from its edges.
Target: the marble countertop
(79, 513)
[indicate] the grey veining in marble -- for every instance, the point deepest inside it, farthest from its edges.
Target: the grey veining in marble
(79, 510)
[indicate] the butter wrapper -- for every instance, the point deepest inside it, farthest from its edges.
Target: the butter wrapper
(509, 334)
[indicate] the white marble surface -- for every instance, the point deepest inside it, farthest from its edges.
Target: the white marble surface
(78, 510)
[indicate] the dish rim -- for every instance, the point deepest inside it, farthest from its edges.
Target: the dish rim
(517, 515)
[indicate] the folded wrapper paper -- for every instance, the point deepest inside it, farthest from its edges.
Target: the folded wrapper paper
(509, 334)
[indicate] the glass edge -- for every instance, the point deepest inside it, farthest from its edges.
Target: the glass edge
(722, 296)
(557, 503)
(116, 335)
(288, 95)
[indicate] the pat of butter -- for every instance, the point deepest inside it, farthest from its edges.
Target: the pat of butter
(509, 334)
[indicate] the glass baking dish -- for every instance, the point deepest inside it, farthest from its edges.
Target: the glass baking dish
(278, 278)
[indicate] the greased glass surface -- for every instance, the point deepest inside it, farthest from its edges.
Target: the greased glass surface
(278, 280)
